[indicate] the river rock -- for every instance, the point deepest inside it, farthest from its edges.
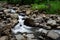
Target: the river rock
(1, 9)
(58, 27)
(58, 18)
(14, 16)
(6, 22)
(4, 38)
(29, 22)
(54, 17)
(7, 10)
(12, 11)
(50, 21)
(58, 21)
(28, 12)
(14, 8)
(35, 12)
(17, 5)
(23, 11)
(27, 6)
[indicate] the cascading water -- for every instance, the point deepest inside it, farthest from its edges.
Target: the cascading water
(20, 27)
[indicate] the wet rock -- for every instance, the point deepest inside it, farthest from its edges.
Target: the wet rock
(1, 13)
(12, 11)
(17, 5)
(40, 21)
(58, 27)
(50, 21)
(53, 17)
(4, 38)
(23, 11)
(15, 8)
(28, 12)
(13, 37)
(22, 14)
(45, 19)
(6, 23)
(33, 16)
(35, 12)
(1, 10)
(52, 26)
(58, 21)
(18, 37)
(36, 23)
(7, 10)
(15, 16)
(58, 18)
(29, 22)
(43, 25)
(27, 6)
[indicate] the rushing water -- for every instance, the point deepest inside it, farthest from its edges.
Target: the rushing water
(20, 27)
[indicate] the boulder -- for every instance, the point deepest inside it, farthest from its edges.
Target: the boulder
(50, 21)
(29, 22)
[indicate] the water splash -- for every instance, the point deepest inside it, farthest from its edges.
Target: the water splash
(20, 27)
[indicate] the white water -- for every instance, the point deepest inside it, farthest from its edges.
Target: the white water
(24, 28)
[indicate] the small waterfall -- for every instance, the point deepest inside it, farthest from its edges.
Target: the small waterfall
(20, 27)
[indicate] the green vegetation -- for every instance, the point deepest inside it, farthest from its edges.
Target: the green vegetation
(54, 7)
(39, 6)
(51, 6)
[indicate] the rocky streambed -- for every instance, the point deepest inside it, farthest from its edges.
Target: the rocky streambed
(17, 21)
(30, 26)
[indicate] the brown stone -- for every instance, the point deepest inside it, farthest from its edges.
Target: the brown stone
(7, 10)
(4, 38)
(28, 12)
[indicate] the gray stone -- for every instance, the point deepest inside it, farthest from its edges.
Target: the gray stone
(50, 21)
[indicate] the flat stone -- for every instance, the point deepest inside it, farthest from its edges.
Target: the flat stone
(50, 21)
(4, 38)
(7, 10)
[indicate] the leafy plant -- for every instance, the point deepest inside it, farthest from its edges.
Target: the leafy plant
(39, 7)
(55, 6)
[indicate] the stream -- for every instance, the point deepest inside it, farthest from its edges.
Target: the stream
(20, 27)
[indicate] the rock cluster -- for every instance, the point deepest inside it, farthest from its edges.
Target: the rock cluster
(43, 20)
(9, 18)
(7, 21)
